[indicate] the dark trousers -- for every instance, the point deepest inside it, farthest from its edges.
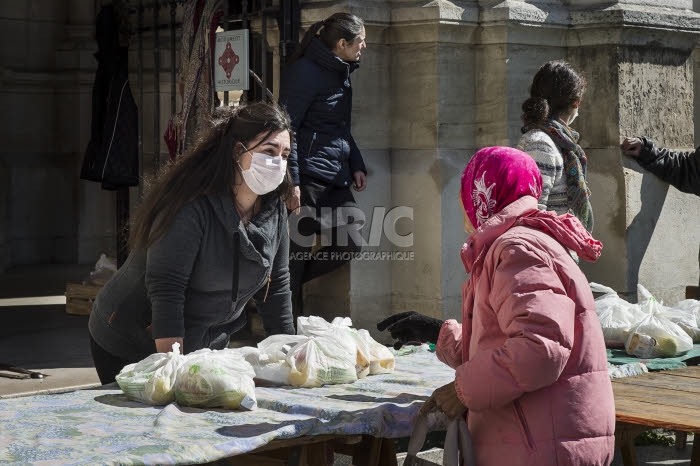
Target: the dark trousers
(304, 266)
(106, 364)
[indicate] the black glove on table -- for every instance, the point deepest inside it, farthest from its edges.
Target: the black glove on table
(411, 328)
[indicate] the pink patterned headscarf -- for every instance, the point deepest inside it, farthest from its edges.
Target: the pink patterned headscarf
(496, 177)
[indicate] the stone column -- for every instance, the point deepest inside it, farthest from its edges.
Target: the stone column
(434, 110)
(638, 60)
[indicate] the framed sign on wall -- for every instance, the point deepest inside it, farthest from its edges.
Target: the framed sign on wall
(231, 61)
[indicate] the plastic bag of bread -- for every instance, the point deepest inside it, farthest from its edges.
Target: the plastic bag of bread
(656, 336)
(686, 314)
(381, 359)
(616, 315)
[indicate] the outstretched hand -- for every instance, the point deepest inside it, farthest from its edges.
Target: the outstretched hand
(411, 328)
(631, 147)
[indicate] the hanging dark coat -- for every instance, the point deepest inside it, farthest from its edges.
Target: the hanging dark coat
(112, 156)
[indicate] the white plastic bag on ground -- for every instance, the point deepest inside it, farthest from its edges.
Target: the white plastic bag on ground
(213, 379)
(686, 314)
(325, 360)
(616, 315)
(381, 360)
(151, 380)
(656, 336)
(105, 267)
(340, 327)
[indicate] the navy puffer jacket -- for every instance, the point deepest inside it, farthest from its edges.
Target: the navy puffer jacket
(317, 93)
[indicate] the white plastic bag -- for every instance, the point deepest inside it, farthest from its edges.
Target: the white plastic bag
(213, 379)
(381, 359)
(325, 360)
(686, 314)
(616, 315)
(656, 336)
(105, 267)
(266, 370)
(276, 347)
(151, 380)
(340, 327)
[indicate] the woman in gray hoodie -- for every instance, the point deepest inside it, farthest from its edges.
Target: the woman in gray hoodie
(209, 235)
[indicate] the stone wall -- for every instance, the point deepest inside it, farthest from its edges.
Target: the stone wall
(459, 72)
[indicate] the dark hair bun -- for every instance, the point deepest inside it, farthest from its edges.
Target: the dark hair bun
(535, 110)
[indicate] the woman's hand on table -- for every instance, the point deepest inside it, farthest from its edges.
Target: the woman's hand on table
(445, 399)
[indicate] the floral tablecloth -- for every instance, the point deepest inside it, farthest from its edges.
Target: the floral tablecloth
(101, 426)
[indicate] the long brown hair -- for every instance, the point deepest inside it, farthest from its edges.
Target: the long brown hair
(210, 168)
(332, 29)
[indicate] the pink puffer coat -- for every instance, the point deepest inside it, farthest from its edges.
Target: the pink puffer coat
(529, 355)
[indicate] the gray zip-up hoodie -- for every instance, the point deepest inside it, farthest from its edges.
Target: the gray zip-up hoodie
(181, 285)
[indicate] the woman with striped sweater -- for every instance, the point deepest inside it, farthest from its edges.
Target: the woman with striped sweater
(555, 96)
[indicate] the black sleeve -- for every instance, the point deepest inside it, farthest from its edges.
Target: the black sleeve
(356, 161)
(679, 169)
(276, 308)
(169, 263)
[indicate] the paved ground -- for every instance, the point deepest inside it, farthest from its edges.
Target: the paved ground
(36, 333)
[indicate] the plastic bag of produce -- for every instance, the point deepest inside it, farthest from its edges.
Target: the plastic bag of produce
(322, 361)
(267, 371)
(686, 314)
(215, 379)
(656, 336)
(340, 327)
(276, 347)
(151, 380)
(616, 315)
(381, 359)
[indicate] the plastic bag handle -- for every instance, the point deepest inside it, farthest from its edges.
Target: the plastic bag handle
(457, 440)
(420, 430)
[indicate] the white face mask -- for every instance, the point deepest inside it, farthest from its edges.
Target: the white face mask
(573, 117)
(265, 173)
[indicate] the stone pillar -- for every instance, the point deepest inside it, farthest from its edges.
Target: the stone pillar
(639, 64)
(434, 110)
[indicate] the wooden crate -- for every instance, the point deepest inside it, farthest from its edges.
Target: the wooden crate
(79, 298)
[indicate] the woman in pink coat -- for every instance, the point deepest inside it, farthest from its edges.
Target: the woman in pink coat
(529, 355)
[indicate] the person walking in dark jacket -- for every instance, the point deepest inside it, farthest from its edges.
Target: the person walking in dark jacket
(325, 161)
(210, 235)
(679, 169)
